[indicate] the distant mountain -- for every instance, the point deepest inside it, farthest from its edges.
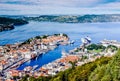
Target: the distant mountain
(76, 19)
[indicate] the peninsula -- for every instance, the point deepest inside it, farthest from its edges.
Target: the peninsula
(7, 23)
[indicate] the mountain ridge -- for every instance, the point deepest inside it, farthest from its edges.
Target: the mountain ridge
(76, 18)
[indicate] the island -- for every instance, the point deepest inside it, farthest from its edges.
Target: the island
(7, 23)
(6, 27)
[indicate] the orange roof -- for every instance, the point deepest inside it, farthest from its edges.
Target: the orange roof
(3, 62)
(53, 38)
(9, 80)
(23, 50)
(69, 58)
(14, 72)
(42, 69)
(13, 51)
(42, 74)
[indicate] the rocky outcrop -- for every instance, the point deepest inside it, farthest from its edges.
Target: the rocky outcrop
(7, 23)
(6, 27)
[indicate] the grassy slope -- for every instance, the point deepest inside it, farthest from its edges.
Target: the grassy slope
(80, 73)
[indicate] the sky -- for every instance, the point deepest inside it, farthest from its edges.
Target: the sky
(45, 7)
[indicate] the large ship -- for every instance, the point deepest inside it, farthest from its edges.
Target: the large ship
(86, 40)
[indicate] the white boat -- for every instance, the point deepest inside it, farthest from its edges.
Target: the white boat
(35, 66)
(64, 53)
(88, 39)
(84, 40)
(28, 68)
(72, 42)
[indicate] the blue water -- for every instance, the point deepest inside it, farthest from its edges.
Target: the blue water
(48, 57)
(97, 31)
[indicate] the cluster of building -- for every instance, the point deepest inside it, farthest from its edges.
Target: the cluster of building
(13, 55)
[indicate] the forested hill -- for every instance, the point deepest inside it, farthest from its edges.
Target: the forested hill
(77, 18)
(7, 20)
(109, 72)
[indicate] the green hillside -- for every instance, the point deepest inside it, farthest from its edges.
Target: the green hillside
(109, 72)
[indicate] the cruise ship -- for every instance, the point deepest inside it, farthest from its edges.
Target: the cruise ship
(86, 40)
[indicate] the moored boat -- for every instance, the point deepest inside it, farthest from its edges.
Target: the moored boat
(35, 66)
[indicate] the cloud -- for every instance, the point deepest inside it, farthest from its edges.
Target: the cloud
(65, 3)
(59, 6)
(68, 3)
(110, 5)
